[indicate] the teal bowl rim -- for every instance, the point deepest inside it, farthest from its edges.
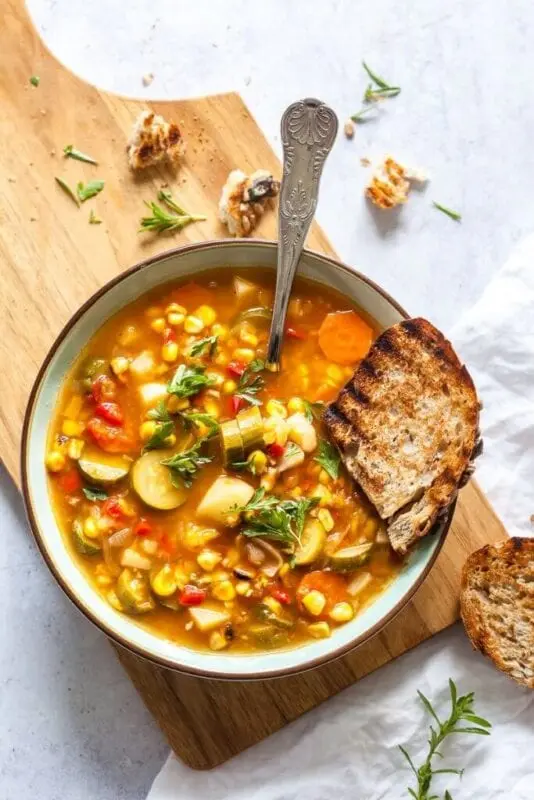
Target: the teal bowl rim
(440, 530)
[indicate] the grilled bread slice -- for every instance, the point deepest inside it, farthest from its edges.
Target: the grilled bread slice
(406, 425)
(497, 605)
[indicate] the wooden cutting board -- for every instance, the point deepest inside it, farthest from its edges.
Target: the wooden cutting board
(52, 259)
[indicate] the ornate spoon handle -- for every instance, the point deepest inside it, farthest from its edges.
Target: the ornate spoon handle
(308, 128)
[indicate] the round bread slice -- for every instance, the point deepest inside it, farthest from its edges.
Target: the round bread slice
(497, 605)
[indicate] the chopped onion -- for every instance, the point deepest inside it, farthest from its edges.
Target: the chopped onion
(110, 562)
(131, 558)
(121, 538)
(359, 582)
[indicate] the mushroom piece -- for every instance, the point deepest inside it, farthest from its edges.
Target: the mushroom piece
(265, 556)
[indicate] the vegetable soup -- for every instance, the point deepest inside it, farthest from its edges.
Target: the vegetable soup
(197, 490)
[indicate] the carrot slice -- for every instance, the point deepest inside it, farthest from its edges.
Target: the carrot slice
(331, 585)
(344, 337)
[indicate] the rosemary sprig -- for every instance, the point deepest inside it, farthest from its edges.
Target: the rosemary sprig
(455, 215)
(359, 116)
(161, 220)
(70, 152)
(380, 89)
(66, 188)
(184, 466)
(461, 712)
(250, 382)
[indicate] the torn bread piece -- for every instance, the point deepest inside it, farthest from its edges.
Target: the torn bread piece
(406, 425)
(154, 140)
(497, 605)
(244, 199)
(391, 182)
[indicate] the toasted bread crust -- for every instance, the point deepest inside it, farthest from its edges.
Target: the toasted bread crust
(406, 425)
(497, 606)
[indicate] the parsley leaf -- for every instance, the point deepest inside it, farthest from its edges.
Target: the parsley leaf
(313, 410)
(192, 418)
(92, 493)
(159, 412)
(328, 458)
(88, 190)
(187, 381)
(250, 383)
(162, 432)
(185, 465)
(70, 152)
(283, 521)
(35, 80)
(209, 344)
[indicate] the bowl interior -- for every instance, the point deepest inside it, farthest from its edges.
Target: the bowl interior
(168, 267)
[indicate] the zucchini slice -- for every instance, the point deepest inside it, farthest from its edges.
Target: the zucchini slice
(133, 592)
(84, 544)
(152, 482)
(350, 558)
(250, 424)
(102, 469)
(312, 541)
(231, 442)
(260, 314)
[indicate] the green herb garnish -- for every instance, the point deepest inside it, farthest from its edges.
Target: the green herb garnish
(92, 493)
(209, 344)
(161, 220)
(159, 412)
(93, 219)
(359, 116)
(462, 719)
(187, 381)
(71, 152)
(88, 190)
(282, 521)
(448, 211)
(162, 432)
(380, 89)
(250, 383)
(66, 188)
(313, 411)
(192, 418)
(185, 465)
(35, 80)
(328, 458)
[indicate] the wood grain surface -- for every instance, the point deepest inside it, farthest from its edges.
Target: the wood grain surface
(52, 259)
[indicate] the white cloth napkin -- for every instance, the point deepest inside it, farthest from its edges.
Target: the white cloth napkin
(347, 748)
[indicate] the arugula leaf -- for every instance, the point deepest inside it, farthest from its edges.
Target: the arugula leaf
(88, 190)
(162, 432)
(328, 458)
(159, 412)
(35, 80)
(66, 188)
(455, 215)
(185, 465)
(313, 410)
(188, 381)
(93, 493)
(209, 344)
(93, 219)
(250, 383)
(70, 152)
(192, 418)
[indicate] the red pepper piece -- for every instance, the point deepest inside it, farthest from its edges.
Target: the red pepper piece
(70, 482)
(281, 595)
(275, 450)
(236, 404)
(236, 368)
(191, 596)
(112, 508)
(295, 333)
(103, 389)
(111, 412)
(143, 528)
(169, 336)
(107, 437)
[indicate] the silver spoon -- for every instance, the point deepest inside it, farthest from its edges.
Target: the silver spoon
(308, 129)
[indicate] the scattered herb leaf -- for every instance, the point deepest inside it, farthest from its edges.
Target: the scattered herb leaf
(92, 493)
(187, 381)
(192, 418)
(161, 220)
(250, 383)
(93, 219)
(159, 412)
(185, 465)
(88, 190)
(282, 521)
(359, 116)
(162, 432)
(166, 197)
(66, 188)
(448, 211)
(35, 80)
(384, 89)
(328, 458)
(461, 711)
(209, 344)
(313, 411)
(70, 152)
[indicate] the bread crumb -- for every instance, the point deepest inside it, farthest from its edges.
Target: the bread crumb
(390, 183)
(244, 199)
(154, 140)
(364, 161)
(348, 129)
(147, 79)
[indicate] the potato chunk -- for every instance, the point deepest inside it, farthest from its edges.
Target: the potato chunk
(219, 502)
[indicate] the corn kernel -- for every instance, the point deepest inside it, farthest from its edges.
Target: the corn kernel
(314, 602)
(175, 308)
(217, 641)
(229, 387)
(176, 404)
(207, 314)
(232, 558)
(275, 408)
(216, 378)
(303, 369)
(90, 528)
(243, 588)
(273, 605)
(335, 373)
(55, 461)
(268, 479)
(193, 324)
(170, 441)
(75, 448)
(212, 408)
(153, 311)
(257, 462)
(224, 590)
(72, 428)
(147, 430)
(104, 580)
(120, 365)
(296, 405)
(319, 630)
(342, 612)
(181, 577)
(324, 477)
(164, 582)
(221, 359)
(208, 560)
(222, 331)
(248, 338)
(275, 429)
(325, 518)
(323, 494)
(149, 546)
(296, 492)
(244, 354)
(158, 325)
(284, 569)
(74, 407)
(169, 352)
(175, 319)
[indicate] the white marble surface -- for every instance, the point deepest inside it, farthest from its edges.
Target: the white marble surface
(71, 725)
